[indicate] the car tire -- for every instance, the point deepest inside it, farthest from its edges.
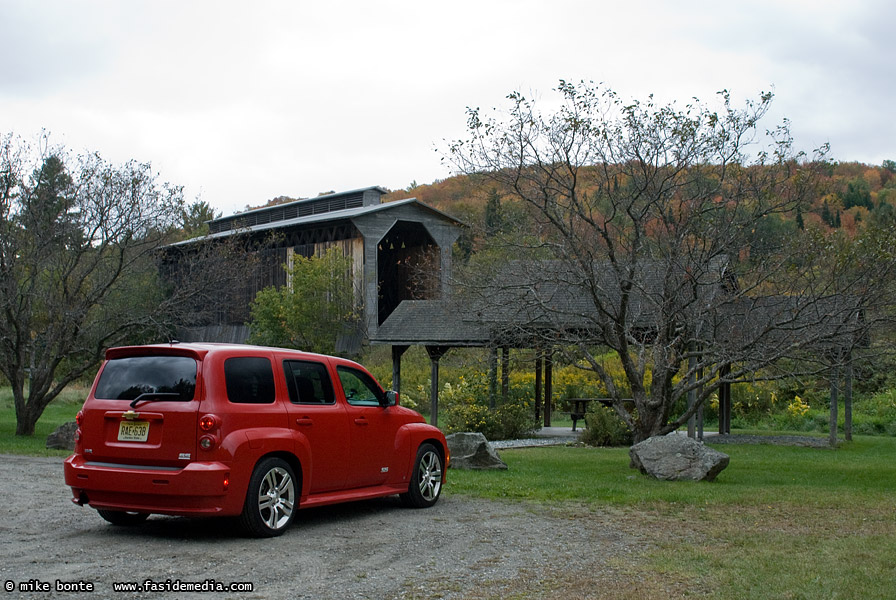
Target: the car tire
(120, 517)
(426, 478)
(271, 500)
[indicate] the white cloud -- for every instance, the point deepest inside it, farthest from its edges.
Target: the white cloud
(247, 101)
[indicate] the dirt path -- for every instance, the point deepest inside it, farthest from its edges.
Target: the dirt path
(461, 548)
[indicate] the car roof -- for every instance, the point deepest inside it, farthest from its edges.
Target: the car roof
(200, 350)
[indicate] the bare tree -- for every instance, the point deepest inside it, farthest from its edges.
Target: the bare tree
(660, 234)
(78, 266)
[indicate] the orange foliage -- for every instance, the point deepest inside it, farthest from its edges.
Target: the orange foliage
(466, 196)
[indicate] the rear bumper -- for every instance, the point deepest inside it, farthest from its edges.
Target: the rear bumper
(200, 488)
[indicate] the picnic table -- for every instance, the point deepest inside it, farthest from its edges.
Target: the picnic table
(579, 406)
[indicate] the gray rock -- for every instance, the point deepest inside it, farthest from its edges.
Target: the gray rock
(64, 437)
(472, 451)
(677, 457)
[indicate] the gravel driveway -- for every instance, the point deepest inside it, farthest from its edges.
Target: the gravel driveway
(461, 548)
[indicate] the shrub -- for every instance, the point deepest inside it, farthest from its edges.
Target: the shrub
(881, 405)
(605, 427)
(753, 401)
(463, 408)
(470, 417)
(411, 401)
(515, 421)
(797, 407)
(875, 415)
(510, 421)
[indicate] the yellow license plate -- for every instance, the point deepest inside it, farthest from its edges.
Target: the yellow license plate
(133, 431)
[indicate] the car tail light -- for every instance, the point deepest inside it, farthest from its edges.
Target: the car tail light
(79, 418)
(208, 423)
(226, 481)
(208, 442)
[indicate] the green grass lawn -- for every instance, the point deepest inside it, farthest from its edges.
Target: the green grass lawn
(62, 409)
(778, 523)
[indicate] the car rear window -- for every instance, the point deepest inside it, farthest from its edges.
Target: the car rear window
(131, 377)
(250, 380)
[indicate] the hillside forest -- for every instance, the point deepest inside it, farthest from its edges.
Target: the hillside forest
(853, 196)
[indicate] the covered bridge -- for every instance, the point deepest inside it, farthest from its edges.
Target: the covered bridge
(390, 246)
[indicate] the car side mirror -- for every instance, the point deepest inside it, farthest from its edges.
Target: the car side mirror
(390, 398)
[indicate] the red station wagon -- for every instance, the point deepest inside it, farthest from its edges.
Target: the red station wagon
(216, 430)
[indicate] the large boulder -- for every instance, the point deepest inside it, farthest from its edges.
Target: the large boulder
(677, 457)
(472, 451)
(64, 437)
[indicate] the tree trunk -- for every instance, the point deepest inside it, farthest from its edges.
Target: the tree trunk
(30, 408)
(23, 427)
(26, 418)
(648, 424)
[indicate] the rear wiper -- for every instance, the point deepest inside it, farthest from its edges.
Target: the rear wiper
(154, 397)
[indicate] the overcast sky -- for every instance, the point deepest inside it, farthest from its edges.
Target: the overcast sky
(241, 102)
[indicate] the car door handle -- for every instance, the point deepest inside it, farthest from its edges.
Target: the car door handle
(304, 422)
(360, 421)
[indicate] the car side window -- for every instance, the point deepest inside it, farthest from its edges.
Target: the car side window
(308, 382)
(359, 388)
(250, 380)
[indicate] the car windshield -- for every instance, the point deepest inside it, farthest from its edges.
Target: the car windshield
(129, 378)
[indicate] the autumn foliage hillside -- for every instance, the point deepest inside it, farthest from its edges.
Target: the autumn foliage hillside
(853, 195)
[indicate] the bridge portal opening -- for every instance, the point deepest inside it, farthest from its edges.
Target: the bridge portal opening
(409, 267)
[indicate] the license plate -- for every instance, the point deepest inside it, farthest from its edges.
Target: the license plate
(133, 431)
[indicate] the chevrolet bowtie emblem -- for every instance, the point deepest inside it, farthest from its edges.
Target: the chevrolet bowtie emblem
(130, 415)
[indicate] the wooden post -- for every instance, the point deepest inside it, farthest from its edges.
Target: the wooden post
(847, 401)
(700, 409)
(505, 373)
(538, 368)
(835, 376)
(692, 393)
(397, 352)
(492, 377)
(728, 407)
(548, 387)
(725, 402)
(435, 354)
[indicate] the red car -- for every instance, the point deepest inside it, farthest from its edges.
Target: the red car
(212, 429)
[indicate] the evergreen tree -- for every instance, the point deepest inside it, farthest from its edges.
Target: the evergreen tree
(493, 215)
(858, 193)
